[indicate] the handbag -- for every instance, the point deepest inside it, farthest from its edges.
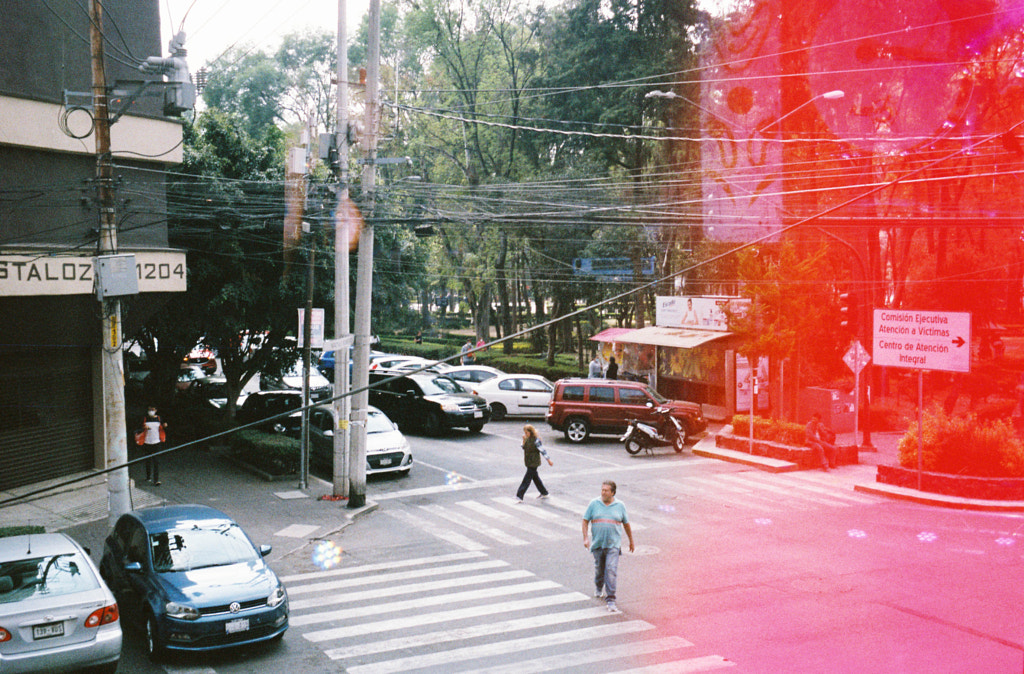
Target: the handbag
(140, 437)
(163, 434)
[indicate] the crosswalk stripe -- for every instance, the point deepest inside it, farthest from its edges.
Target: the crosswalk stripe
(711, 490)
(587, 657)
(688, 666)
(478, 527)
(850, 496)
(787, 491)
(422, 602)
(460, 634)
(606, 631)
(453, 537)
(762, 491)
(577, 508)
(395, 576)
(540, 512)
(444, 616)
(394, 590)
(509, 520)
(382, 566)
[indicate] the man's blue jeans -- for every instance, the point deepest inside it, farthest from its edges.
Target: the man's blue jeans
(606, 570)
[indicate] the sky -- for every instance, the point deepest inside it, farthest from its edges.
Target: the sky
(213, 26)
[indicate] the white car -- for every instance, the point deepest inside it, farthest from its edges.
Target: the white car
(387, 450)
(56, 613)
(521, 395)
(472, 374)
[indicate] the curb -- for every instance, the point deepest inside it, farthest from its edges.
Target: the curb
(941, 500)
(761, 462)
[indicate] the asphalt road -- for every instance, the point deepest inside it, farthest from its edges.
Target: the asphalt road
(735, 568)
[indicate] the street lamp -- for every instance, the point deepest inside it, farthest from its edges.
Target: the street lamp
(833, 95)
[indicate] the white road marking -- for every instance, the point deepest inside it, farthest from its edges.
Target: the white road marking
(382, 566)
(297, 530)
(394, 577)
(590, 656)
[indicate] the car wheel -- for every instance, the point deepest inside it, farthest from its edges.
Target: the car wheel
(498, 412)
(432, 424)
(476, 428)
(577, 430)
(633, 447)
(154, 649)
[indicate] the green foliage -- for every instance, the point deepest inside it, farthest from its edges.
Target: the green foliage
(272, 453)
(963, 445)
(770, 430)
(21, 530)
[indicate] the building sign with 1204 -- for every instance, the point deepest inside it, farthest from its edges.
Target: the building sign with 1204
(922, 340)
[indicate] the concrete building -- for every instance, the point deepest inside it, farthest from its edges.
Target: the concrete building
(50, 328)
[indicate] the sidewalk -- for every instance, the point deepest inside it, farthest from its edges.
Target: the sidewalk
(278, 513)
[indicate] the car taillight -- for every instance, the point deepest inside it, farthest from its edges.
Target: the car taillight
(4, 635)
(103, 616)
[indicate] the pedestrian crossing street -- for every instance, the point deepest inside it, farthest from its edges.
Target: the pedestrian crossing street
(483, 523)
(468, 612)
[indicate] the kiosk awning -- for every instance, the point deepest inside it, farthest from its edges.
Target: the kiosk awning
(681, 338)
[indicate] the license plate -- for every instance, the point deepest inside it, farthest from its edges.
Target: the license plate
(48, 630)
(233, 626)
(477, 414)
(385, 462)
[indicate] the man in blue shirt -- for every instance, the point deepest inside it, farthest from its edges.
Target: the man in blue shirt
(601, 536)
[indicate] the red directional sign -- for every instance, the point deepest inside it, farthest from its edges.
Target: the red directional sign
(922, 340)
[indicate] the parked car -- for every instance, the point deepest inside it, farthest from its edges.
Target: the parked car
(519, 395)
(427, 402)
(319, 387)
(262, 404)
(56, 612)
(580, 407)
(474, 374)
(209, 392)
(396, 362)
(193, 580)
(421, 363)
(387, 450)
(203, 357)
(188, 374)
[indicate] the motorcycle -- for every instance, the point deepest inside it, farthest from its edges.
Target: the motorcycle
(669, 431)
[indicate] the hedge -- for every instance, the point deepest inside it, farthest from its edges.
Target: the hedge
(964, 445)
(771, 430)
(273, 453)
(21, 530)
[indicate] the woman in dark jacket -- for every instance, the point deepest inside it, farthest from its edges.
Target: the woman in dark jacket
(532, 451)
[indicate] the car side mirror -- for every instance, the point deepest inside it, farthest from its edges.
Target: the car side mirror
(328, 434)
(265, 549)
(649, 404)
(411, 393)
(133, 567)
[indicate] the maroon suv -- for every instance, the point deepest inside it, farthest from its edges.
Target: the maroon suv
(580, 407)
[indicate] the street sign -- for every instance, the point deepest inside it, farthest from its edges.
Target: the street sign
(856, 357)
(922, 340)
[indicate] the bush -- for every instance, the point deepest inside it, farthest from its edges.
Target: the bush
(273, 453)
(886, 416)
(770, 430)
(963, 445)
(21, 530)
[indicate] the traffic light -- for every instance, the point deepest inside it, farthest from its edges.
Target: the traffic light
(849, 312)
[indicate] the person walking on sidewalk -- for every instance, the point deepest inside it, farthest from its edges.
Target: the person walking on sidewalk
(154, 427)
(532, 451)
(601, 536)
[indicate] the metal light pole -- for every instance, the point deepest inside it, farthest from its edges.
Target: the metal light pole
(364, 274)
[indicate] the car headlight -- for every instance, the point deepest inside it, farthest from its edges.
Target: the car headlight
(181, 611)
(450, 407)
(277, 596)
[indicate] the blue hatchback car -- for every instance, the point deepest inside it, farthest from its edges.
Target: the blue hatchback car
(194, 579)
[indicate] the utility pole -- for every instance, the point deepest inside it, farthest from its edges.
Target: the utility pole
(342, 236)
(364, 273)
(112, 361)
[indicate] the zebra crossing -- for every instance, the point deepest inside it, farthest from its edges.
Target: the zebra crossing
(487, 522)
(466, 611)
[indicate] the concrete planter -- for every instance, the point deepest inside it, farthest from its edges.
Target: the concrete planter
(965, 486)
(801, 456)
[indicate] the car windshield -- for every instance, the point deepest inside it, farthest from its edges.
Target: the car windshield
(46, 576)
(200, 547)
(439, 386)
(660, 399)
(377, 422)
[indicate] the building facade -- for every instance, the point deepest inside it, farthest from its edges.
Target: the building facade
(51, 421)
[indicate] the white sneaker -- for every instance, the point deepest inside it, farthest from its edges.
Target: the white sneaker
(612, 608)
(517, 500)
(543, 496)
(599, 594)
